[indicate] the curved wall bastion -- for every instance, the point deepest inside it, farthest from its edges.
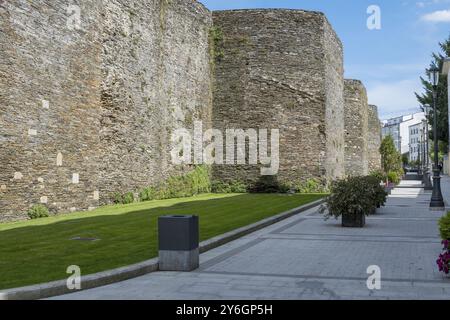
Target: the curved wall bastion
(374, 139)
(92, 91)
(282, 69)
(356, 128)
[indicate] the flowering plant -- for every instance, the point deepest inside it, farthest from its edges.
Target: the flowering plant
(444, 258)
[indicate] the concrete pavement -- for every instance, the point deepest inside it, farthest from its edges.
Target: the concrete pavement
(305, 257)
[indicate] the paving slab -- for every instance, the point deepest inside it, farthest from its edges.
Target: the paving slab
(306, 257)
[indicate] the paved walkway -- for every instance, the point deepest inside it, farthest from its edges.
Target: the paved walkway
(306, 257)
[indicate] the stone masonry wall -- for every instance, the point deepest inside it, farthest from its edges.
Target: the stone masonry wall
(374, 139)
(87, 112)
(50, 80)
(282, 69)
(335, 111)
(356, 128)
(156, 72)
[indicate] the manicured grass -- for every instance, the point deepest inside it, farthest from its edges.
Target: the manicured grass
(37, 251)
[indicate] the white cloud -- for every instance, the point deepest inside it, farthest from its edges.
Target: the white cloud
(423, 4)
(437, 16)
(394, 98)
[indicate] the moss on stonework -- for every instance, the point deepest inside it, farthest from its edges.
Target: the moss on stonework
(164, 4)
(189, 120)
(216, 44)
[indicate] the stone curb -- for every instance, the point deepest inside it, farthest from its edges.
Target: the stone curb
(57, 288)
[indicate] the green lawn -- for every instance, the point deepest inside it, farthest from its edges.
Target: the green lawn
(39, 251)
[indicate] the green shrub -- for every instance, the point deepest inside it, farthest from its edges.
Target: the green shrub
(147, 194)
(193, 183)
(311, 186)
(394, 177)
(117, 198)
(444, 227)
(126, 198)
(354, 196)
(379, 175)
(216, 43)
(376, 191)
(38, 211)
(269, 184)
(229, 187)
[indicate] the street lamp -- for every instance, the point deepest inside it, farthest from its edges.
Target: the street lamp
(437, 201)
(426, 175)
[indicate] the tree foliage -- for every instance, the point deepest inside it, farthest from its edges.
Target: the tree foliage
(426, 98)
(391, 159)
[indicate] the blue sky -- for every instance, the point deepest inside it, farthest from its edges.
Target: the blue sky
(389, 61)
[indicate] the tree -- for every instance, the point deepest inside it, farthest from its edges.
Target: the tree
(442, 94)
(405, 159)
(391, 159)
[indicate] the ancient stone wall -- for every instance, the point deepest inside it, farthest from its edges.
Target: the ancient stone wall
(356, 128)
(87, 109)
(156, 78)
(85, 112)
(334, 102)
(374, 140)
(50, 80)
(282, 69)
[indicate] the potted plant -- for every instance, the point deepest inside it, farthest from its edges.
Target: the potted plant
(443, 261)
(383, 181)
(376, 192)
(351, 198)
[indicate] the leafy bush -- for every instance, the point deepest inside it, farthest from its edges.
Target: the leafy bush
(126, 198)
(379, 175)
(311, 186)
(443, 261)
(188, 185)
(444, 227)
(269, 184)
(147, 194)
(117, 198)
(38, 211)
(216, 43)
(229, 187)
(375, 191)
(394, 177)
(354, 196)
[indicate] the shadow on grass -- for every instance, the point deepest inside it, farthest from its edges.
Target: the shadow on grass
(42, 253)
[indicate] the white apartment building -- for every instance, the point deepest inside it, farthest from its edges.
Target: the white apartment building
(399, 129)
(417, 144)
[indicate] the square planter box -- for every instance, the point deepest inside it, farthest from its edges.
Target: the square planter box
(388, 190)
(353, 221)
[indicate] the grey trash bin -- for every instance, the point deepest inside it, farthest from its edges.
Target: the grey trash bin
(178, 243)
